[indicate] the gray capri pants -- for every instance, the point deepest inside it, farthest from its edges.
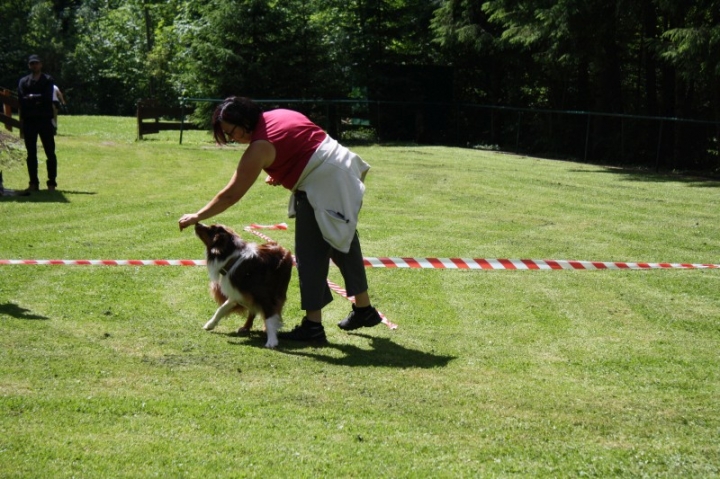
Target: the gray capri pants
(313, 254)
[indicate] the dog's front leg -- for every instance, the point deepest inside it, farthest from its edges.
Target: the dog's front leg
(221, 312)
(272, 326)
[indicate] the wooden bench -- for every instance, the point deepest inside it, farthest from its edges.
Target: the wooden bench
(150, 110)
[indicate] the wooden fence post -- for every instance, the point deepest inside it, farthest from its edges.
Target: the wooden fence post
(9, 102)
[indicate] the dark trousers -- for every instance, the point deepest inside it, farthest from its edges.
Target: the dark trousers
(313, 254)
(32, 128)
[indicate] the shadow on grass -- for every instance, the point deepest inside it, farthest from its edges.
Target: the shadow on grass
(42, 196)
(650, 176)
(383, 353)
(15, 311)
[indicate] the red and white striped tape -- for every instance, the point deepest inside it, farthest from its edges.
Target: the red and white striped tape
(279, 226)
(343, 293)
(105, 262)
(389, 262)
(415, 263)
(136, 262)
(521, 264)
(251, 229)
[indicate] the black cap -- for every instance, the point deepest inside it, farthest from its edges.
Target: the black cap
(34, 58)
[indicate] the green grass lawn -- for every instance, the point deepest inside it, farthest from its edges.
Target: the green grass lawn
(106, 371)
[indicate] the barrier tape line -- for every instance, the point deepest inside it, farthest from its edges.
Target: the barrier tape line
(414, 263)
(389, 262)
(343, 293)
(279, 226)
(105, 262)
(521, 264)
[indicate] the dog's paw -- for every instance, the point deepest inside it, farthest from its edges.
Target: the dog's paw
(243, 331)
(271, 343)
(210, 325)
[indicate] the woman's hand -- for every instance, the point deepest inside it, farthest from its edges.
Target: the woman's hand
(271, 181)
(188, 220)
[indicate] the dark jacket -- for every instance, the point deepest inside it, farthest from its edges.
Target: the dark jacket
(36, 97)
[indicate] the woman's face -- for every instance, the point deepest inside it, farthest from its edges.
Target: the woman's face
(235, 133)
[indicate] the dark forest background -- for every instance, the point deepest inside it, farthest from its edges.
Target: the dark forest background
(621, 58)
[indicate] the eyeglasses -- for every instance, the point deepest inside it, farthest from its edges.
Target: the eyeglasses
(229, 135)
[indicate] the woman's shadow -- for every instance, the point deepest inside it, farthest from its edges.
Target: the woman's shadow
(383, 352)
(42, 196)
(15, 311)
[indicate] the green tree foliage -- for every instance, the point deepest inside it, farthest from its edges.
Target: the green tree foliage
(36, 27)
(484, 66)
(110, 53)
(44, 34)
(255, 48)
(124, 52)
(107, 67)
(619, 56)
(645, 57)
(691, 45)
(13, 55)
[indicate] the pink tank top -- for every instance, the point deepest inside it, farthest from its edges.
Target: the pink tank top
(295, 139)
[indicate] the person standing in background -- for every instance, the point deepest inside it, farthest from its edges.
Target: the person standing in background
(35, 92)
(58, 99)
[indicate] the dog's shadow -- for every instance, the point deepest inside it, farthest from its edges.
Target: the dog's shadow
(383, 352)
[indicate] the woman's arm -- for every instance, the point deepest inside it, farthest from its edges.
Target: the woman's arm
(259, 155)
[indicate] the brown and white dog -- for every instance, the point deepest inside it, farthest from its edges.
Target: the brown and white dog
(246, 277)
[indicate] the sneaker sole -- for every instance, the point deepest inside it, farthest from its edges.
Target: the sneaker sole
(348, 327)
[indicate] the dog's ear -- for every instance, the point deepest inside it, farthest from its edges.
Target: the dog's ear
(219, 243)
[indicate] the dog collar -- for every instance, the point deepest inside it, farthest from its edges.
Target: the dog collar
(228, 266)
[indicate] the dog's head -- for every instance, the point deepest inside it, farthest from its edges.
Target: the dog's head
(219, 240)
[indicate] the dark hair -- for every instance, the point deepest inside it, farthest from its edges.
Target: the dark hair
(236, 110)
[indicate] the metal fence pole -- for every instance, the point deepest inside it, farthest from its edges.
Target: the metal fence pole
(517, 137)
(587, 138)
(182, 120)
(657, 157)
(622, 139)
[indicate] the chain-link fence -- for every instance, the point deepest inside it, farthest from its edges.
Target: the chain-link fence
(603, 138)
